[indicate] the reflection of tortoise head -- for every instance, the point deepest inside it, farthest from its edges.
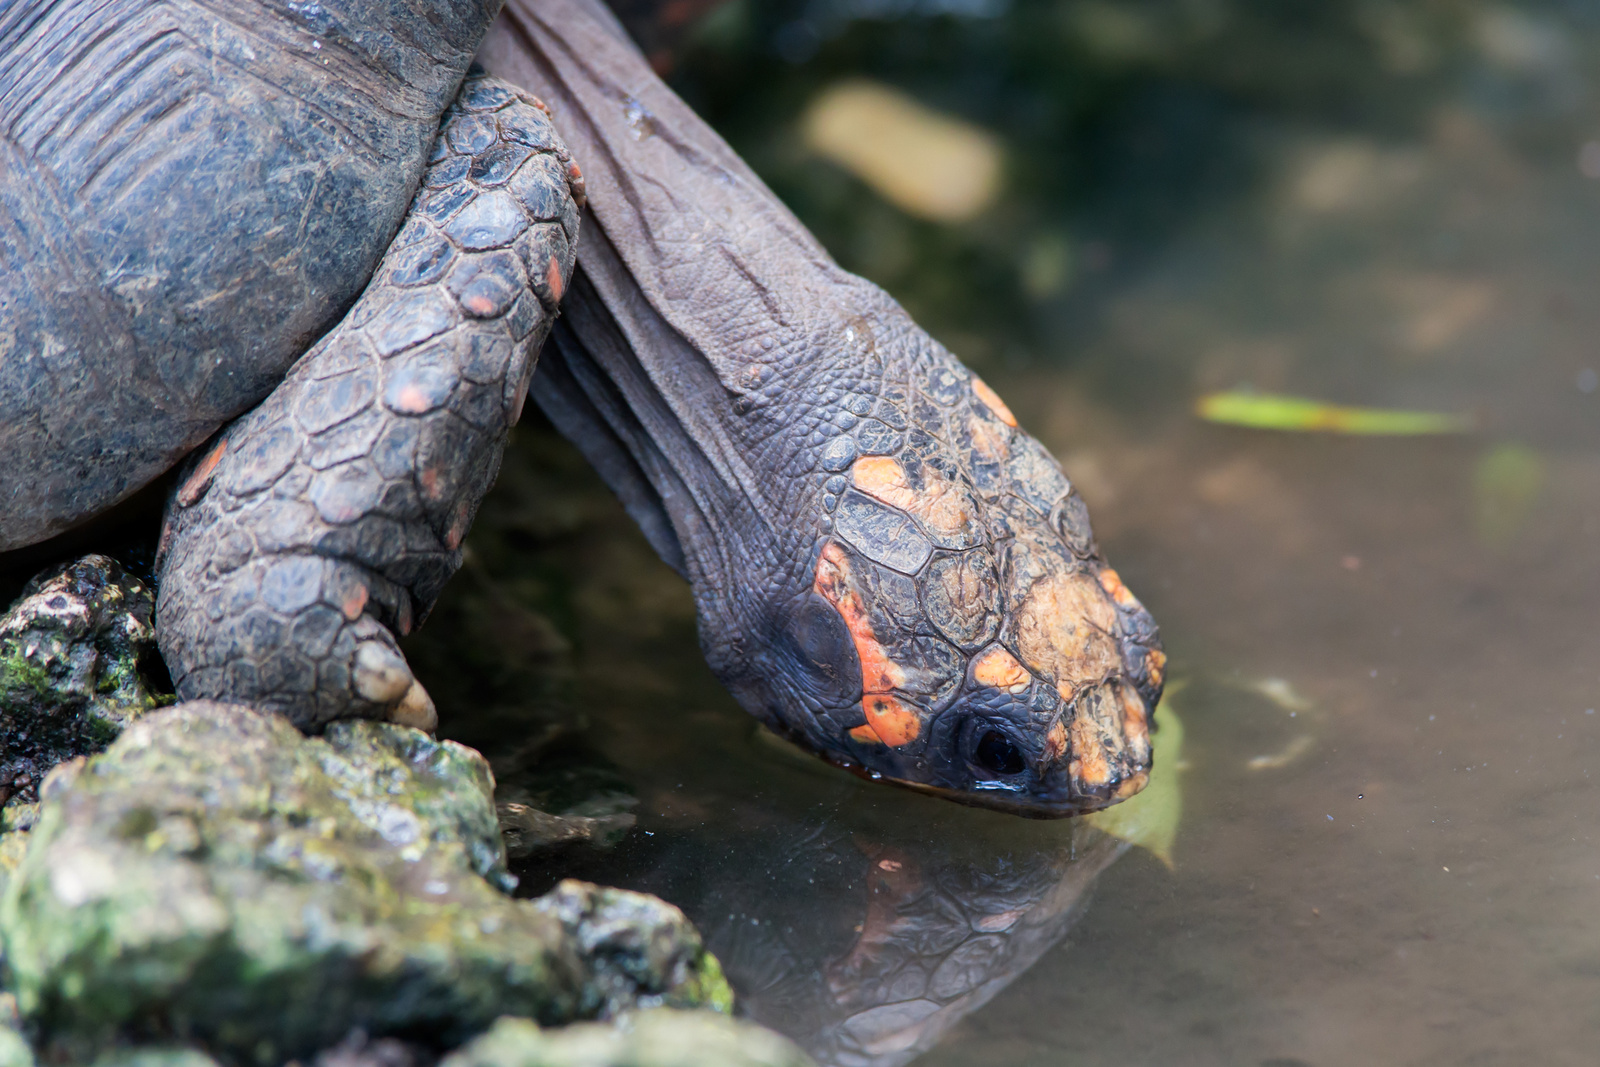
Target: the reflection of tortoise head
(874, 978)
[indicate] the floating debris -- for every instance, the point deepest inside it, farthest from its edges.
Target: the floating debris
(927, 164)
(1294, 414)
(1506, 484)
(1291, 752)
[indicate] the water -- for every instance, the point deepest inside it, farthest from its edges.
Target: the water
(1388, 649)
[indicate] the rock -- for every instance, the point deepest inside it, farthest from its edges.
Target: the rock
(634, 942)
(158, 1056)
(216, 877)
(15, 821)
(72, 649)
(359, 1050)
(14, 1050)
(662, 1038)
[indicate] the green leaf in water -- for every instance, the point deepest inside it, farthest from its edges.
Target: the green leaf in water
(1505, 486)
(1266, 411)
(1150, 819)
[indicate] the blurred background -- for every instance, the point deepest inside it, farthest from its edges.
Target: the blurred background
(1372, 833)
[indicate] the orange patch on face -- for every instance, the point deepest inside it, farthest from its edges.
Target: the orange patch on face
(1111, 582)
(944, 507)
(200, 478)
(1000, 669)
(353, 604)
(1089, 767)
(1110, 740)
(428, 477)
(992, 401)
(988, 441)
(1055, 742)
(865, 734)
(879, 673)
(1064, 631)
(552, 278)
(1133, 785)
(1135, 722)
(1155, 666)
(892, 719)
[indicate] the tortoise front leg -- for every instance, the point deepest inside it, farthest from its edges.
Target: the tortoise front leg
(328, 519)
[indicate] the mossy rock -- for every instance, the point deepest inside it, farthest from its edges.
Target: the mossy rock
(662, 1038)
(75, 652)
(218, 878)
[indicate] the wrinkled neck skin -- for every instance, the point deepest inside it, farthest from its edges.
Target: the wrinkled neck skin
(886, 569)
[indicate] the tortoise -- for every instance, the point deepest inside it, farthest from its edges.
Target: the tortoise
(307, 251)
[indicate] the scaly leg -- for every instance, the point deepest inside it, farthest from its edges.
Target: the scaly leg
(327, 520)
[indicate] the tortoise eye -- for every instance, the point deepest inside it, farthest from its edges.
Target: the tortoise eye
(997, 755)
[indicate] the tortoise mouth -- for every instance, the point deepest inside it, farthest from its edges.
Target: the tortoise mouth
(1008, 801)
(998, 797)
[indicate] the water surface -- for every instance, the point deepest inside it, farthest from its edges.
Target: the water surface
(1388, 648)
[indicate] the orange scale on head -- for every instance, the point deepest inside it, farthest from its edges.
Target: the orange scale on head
(944, 507)
(999, 669)
(1111, 582)
(892, 719)
(1155, 666)
(865, 734)
(879, 673)
(1064, 632)
(1055, 743)
(992, 401)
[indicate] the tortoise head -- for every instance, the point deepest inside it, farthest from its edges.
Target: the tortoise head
(955, 628)
(885, 568)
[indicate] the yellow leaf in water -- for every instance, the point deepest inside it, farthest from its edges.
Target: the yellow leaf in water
(1265, 411)
(925, 163)
(1150, 819)
(1505, 485)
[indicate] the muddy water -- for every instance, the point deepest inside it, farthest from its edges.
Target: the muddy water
(1386, 652)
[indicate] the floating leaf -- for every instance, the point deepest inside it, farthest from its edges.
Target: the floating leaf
(1505, 485)
(927, 164)
(1266, 411)
(1150, 819)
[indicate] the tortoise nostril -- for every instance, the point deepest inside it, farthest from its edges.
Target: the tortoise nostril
(997, 755)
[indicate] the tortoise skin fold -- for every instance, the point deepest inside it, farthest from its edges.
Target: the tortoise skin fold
(886, 568)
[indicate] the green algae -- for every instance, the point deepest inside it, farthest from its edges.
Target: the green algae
(662, 1038)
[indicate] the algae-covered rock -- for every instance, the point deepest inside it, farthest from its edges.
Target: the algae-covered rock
(662, 1038)
(634, 942)
(216, 877)
(157, 1056)
(71, 652)
(360, 1050)
(14, 1050)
